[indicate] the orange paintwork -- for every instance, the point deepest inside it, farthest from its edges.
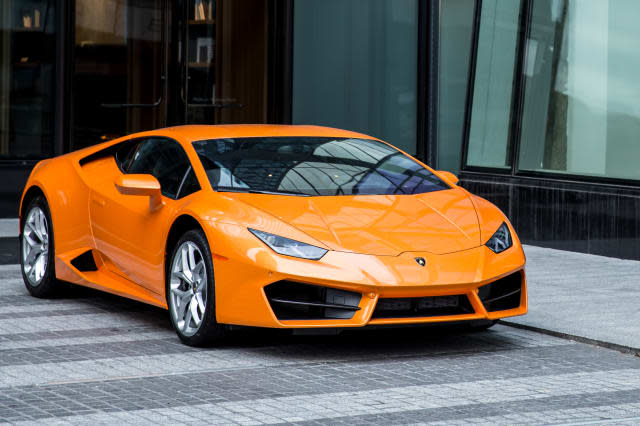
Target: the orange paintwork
(372, 239)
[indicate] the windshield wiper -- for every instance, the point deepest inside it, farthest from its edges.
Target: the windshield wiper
(257, 191)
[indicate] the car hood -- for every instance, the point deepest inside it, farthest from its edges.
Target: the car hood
(437, 222)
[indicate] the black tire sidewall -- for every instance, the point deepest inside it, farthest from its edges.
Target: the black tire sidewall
(48, 285)
(210, 331)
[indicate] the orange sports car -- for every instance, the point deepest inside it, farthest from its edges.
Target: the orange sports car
(269, 226)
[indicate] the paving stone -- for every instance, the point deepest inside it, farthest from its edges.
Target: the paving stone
(97, 359)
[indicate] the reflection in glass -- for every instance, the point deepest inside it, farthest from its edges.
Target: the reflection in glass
(312, 166)
(456, 19)
(495, 64)
(581, 111)
(27, 64)
(119, 68)
(355, 67)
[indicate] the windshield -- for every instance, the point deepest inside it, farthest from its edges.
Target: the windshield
(312, 166)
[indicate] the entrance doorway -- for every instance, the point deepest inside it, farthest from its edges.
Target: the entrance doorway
(144, 64)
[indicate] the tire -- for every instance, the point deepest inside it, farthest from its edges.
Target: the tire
(37, 261)
(188, 292)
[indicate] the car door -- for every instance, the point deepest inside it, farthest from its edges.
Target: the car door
(125, 229)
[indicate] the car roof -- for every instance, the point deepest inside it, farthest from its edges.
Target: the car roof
(203, 132)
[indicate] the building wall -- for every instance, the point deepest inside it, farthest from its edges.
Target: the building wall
(589, 218)
(553, 121)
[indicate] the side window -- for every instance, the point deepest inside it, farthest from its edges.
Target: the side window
(124, 154)
(165, 160)
(189, 185)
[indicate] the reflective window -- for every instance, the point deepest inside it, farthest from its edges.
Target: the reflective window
(165, 160)
(492, 95)
(27, 68)
(189, 184)
(312, 166)
(456, 22)
(355, 67)
(118, 69)
(581, 110)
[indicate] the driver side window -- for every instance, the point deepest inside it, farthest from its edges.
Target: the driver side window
(166, 161)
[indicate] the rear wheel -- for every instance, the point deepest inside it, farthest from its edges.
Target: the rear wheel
(191, 291)
(37, 251)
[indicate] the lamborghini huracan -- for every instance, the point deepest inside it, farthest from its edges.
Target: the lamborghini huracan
(269, 226)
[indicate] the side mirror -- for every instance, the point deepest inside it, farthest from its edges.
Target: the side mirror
(448, 176)
(145, 185)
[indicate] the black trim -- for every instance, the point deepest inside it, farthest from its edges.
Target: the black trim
(423, 143)
(85, 262)
(422, 307)
(477, 12)
(315, 304)
(280, 66)
(103, 153)
(519, 81)
(290, 300)
(502, 294)
(578, 182)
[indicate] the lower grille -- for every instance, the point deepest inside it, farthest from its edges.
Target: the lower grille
(502, 294)
(432, 306)
(296, 301)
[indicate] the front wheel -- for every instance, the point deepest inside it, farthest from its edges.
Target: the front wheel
(37, 251)
(190, 291)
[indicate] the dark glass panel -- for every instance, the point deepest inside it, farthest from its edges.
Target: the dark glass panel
(313, 166)
(27, 68)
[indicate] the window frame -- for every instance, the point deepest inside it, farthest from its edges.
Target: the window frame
(139, 141)
(516, 114)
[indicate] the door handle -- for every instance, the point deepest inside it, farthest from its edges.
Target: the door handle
(153, 105)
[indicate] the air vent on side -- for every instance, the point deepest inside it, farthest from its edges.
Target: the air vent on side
(85, 262)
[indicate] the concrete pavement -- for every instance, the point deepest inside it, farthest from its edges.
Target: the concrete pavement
(93, 358)
(589, 296)
(9, 228)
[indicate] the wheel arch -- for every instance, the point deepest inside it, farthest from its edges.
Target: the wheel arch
(181, 224)
(31, 193)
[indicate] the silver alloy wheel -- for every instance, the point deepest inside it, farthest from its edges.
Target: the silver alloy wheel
(35, 246)
(188, 288)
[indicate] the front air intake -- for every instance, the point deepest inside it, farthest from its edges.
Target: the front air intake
(290, 300)
(416, 307)
(502, 294)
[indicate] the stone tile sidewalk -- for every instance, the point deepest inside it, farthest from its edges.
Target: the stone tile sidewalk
(584, 295)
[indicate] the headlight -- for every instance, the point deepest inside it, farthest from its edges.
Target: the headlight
(288, 247)
(501, 239)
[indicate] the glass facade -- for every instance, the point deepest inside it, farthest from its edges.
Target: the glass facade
(27, 72)
(489, 142)
(581, 112)
(119, 68)
(355, 67)
(576, 93)
(455, 35)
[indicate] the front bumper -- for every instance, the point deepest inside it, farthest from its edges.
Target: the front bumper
(243, 267)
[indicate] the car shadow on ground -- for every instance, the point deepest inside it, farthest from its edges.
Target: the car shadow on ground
(320, 345)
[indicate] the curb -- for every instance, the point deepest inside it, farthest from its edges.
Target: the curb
(594, 342)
